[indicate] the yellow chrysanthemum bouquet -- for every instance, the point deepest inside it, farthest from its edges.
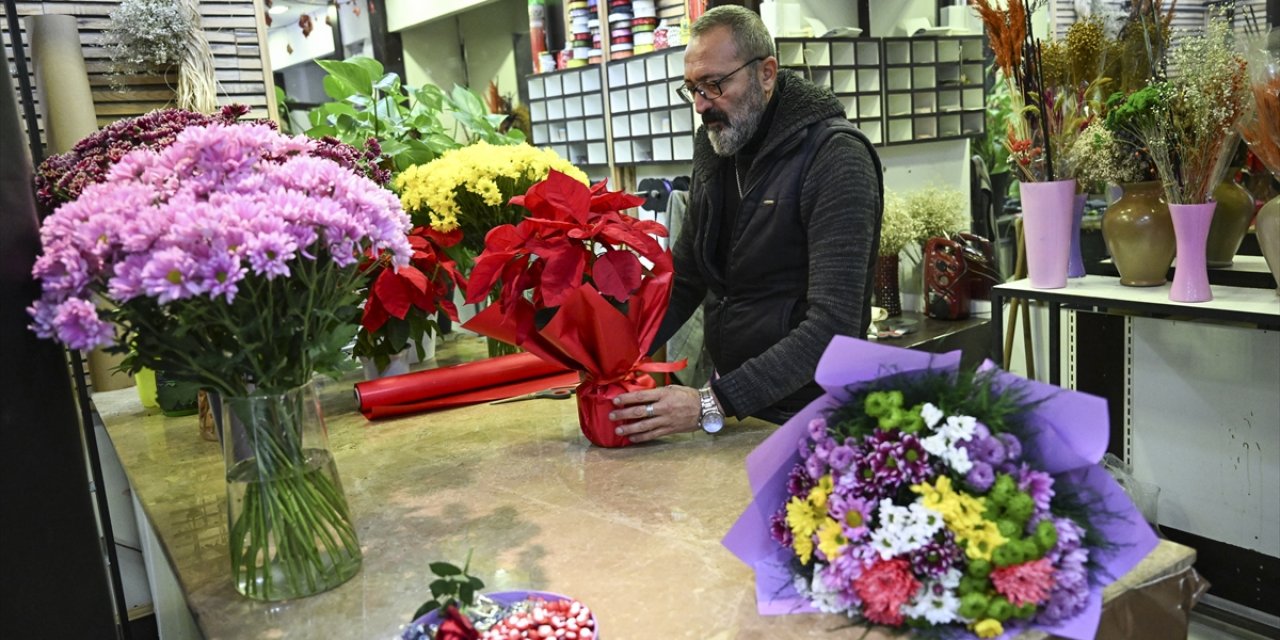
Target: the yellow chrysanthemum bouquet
(471, 188)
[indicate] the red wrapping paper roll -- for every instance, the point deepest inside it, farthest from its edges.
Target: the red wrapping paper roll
(460, 385)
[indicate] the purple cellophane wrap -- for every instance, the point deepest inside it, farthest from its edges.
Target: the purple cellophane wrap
(1069, 426)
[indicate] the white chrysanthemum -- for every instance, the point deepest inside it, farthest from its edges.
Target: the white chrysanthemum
(931, 414)
(904, 529)
(936, 603)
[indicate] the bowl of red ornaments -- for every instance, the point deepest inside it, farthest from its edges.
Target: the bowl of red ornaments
(512, 615)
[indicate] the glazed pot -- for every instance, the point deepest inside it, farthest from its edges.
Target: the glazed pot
(1139, 235)
(1230, 223)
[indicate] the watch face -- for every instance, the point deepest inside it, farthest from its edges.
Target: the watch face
(712, 422)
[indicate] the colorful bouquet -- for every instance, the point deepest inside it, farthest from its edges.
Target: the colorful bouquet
(575, 290)
(922, 496)
(402, 302)
(471, 188)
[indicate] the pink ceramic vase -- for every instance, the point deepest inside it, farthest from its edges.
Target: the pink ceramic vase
(1191, 229)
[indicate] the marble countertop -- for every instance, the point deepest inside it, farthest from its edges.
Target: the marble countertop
(634, 532)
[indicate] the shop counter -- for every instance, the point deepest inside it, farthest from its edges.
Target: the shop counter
(634, 533)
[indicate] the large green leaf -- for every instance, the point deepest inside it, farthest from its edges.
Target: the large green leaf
(466, 100)
(345, 78)
(371, 67)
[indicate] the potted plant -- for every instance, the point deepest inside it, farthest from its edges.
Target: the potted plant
(411, 295)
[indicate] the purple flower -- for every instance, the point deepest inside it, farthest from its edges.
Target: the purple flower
(981, 476)
(936, 557)
(815, 467)
(1012, 446)
(853, 513)
(799, 482)
(840, 458)
(818, 429)
(167, 276)
(823, 449)
(986, 449)
(887, 461)
(270, 253)
(79, 325)
(1037, 483)
(778, 529)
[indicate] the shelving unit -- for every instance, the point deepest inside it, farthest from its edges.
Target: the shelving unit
(650, 122)
(567, 111)
(932, 88)
(896, 90)
(850, 67)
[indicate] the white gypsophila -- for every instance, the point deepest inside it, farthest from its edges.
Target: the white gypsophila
(148, 34)
(931, 414)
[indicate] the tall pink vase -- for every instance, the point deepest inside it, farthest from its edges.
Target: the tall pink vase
(1075, 259)
(1046, 223)
(1191, 228)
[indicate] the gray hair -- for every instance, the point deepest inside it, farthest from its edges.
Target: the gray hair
(749, 33)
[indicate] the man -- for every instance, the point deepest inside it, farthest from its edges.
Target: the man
(783, 229)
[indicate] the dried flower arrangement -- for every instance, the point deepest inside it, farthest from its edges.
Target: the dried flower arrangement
(1261, 128)
(1188, 121)
(149, 36)
(898, 228)
(1018, 55)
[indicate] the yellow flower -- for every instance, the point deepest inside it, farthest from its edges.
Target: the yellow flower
(962, 513)
(470, 187)
(988, 628)
(804, 548)
(819, 493)
(830, 540)
(802, 518)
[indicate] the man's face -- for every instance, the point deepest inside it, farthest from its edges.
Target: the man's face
(732, 118)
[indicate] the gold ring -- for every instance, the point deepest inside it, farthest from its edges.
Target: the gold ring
(648, 410)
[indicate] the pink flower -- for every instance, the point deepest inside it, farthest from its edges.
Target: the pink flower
(1026, 582)
(884, 588)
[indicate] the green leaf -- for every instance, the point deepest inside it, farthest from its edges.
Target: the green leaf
(466, 100)
(354, 74)
(390, 83)
(338, 88)
(371, 67)
(427, 607)
(467, 594)
(442, 587)
(321, 130)
(444, 569)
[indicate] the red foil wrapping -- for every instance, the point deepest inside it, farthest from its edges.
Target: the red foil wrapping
(460, 385)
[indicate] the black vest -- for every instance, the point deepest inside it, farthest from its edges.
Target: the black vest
(762, 296)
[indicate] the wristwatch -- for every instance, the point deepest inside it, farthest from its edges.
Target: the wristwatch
(711, 419)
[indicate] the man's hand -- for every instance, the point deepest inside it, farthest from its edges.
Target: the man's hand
(657, 412)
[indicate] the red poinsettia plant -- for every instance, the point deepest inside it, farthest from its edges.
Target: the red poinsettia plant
(402, 303)
(581, 284)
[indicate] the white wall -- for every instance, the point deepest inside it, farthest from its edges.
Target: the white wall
(433, 51)
(404, 14)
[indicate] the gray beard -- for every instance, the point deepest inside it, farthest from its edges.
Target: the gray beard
(742, 127)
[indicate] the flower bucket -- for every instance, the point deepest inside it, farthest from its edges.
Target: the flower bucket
(1046, 219)
(290, 531)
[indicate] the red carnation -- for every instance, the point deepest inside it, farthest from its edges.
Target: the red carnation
(1026, 582)
(884, 588)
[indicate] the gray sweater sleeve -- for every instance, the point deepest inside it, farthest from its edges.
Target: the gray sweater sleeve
(841, 204)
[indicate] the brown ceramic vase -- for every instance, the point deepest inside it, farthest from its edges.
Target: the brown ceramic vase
(1230, 222)
(1139, 235)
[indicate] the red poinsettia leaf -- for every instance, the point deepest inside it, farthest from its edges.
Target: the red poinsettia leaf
(562, 198)
(651, 227)
(488, 267)
(374, 315)
(615, 201)
(563, 266)
(418, 243)
(442, 239)
(392, 293)
(617, 274)
(450, 309)
(413, 278)
(644, 244)
(503, 238)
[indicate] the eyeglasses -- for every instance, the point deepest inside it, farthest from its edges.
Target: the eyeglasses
(710, 89)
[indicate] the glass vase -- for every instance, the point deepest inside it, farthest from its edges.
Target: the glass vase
(290, 531)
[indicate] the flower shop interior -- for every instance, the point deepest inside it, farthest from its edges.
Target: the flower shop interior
(1048, 167)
